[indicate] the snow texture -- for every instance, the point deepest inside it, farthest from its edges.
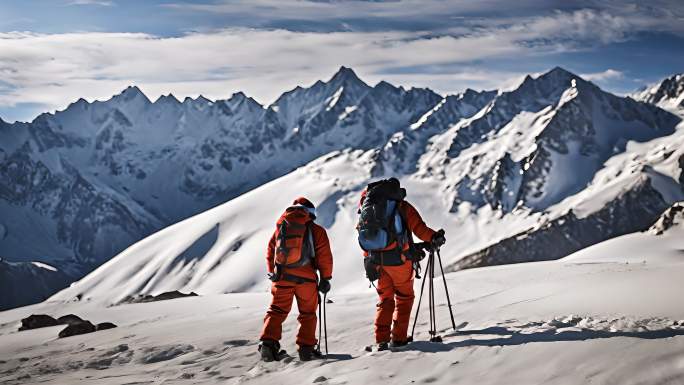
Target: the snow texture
(585, 318)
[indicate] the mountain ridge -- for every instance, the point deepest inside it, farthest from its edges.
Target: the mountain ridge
(483, 156)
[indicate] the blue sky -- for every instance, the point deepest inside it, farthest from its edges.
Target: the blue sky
(53, 52)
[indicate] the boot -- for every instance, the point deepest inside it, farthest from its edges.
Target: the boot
(383, 346)
(398, 344)
(308, 353)
(270, 350)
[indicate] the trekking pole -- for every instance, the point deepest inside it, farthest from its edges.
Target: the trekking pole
(433, 310)
(446, 289)
(320, 325)
(420, 299)
(325, 323)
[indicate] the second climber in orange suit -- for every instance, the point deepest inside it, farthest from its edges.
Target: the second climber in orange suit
(395, 273)
(298, 248)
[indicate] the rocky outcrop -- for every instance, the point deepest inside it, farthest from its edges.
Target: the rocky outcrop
(76, 324)
(673, 216)
(77, 328)
(105, 326)
(35, 321)
(161, 297)
(634, 210)
(70, 319)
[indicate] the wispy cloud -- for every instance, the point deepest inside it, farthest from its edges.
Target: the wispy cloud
(609, 74)
(433, 15)
(103, 3)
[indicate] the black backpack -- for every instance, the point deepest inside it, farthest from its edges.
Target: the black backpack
(380, 223)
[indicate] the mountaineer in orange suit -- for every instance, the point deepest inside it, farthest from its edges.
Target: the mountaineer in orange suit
(298, 248)
(385, 228)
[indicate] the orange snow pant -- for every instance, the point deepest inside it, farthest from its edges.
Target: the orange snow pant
(395, 289)
(281, 303)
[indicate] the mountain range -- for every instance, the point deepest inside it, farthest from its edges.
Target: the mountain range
(532, 173)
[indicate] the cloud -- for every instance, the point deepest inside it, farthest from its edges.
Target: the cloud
(433, 15)
(103, 3)
(56, 69)
(609, 74)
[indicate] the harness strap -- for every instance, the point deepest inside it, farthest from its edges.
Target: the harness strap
(379, 257)
(297, 279)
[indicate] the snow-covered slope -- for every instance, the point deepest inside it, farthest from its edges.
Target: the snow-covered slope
(223, 249)
(610, 314)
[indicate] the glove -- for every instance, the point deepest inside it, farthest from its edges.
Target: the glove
(438, 239)
(324, 285)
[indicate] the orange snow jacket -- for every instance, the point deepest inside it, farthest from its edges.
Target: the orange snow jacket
(322, 261)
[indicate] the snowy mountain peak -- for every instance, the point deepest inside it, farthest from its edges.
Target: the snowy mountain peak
(130, 94)
(167, 99)
(345, 74)
(346, 77)
(550, 84)
(559, 73)
(239, 98)
(386, 87)
(667, 94)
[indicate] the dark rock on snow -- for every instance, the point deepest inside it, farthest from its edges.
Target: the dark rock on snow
(70, 319)
(77, 328)
(161, 297)
(35, 321)
(105, 326)
(77, 325)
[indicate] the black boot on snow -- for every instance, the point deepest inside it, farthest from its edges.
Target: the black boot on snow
(270, 350)
(398, 344)
(383, 346)
(308, 353)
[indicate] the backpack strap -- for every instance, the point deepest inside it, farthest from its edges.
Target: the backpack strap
(282, 237)
(311, 249)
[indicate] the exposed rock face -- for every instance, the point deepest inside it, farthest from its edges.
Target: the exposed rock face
(669, 93)
(673, 216)
(35, 321)
(544, 141)
(44, 280)
(634, 210)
